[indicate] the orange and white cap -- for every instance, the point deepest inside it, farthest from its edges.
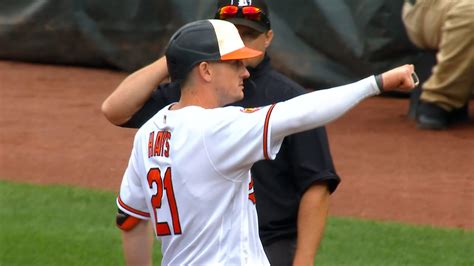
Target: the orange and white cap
(204, 40)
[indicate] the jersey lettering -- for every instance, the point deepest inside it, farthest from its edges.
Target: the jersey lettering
(154, 176)
(159, 146)
(150, 144)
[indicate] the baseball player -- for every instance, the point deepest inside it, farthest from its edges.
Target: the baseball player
(294, 189)
(189, 171)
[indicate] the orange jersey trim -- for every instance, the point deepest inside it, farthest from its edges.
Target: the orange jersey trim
(265, 133)
(129, 223)
(252, 198)
(130, 209)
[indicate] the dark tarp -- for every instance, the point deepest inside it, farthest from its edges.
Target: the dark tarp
(319, 43)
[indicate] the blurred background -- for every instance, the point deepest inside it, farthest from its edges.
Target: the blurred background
(319, 43)
(406, 197)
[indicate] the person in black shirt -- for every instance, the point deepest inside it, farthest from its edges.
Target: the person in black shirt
(292, 191)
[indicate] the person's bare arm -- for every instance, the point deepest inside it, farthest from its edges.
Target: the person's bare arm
(138, 244)
(134, 91)
(312, 213)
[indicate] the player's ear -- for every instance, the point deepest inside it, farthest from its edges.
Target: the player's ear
(204, 71)
(268, 38)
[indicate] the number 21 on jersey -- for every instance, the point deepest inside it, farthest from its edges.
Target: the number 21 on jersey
(163, 183)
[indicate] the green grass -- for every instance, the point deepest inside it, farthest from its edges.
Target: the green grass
(358, 242)
(58, 225)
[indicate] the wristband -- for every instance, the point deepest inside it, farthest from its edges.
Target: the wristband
(379, 81)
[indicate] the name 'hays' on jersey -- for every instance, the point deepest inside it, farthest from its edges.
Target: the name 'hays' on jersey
(189, 173)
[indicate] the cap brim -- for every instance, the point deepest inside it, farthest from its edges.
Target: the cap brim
(242, 53)
(249, 23)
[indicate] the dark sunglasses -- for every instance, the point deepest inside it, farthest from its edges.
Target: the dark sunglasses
(248, 12)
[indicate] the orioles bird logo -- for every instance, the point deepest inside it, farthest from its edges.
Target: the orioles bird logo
(250, 110)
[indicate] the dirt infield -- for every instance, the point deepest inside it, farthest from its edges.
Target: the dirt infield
(52, 131)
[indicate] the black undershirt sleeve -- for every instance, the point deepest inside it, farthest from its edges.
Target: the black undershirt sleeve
(312, 160)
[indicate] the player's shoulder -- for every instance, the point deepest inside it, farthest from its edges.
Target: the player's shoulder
(230, 116)
(222, 113)
(230, 111)
(166, 116)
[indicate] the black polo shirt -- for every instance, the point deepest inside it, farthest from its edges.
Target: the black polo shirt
(304, 158)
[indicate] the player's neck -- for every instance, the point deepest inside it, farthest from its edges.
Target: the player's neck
(197, 96)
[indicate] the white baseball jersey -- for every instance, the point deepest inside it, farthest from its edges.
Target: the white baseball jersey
(189, 172)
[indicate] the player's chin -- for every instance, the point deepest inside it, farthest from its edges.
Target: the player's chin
(239, 96)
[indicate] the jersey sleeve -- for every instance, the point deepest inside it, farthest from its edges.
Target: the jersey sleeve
(318, 108)
(235, 138)
(162, 96)
(132, 197)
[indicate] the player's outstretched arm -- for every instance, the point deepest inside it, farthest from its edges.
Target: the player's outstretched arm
(318, 108)
(134, 91)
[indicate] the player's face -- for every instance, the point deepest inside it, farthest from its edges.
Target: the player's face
(229, 80)
(255, 40)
